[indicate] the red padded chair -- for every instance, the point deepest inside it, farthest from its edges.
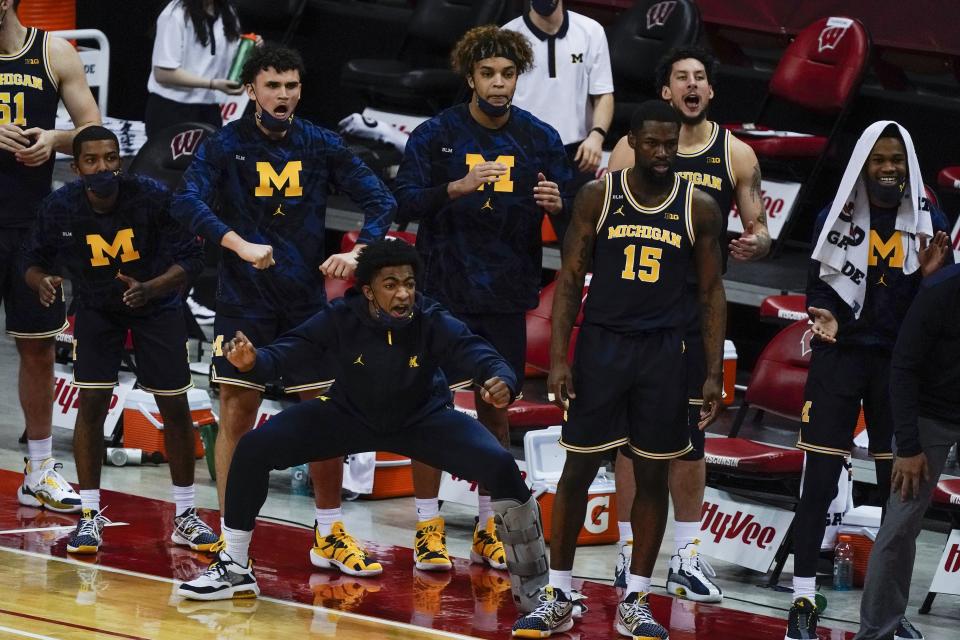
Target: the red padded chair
(522, 414)
(788, 307)
(810, 94)
(946, 497)
(538, 328)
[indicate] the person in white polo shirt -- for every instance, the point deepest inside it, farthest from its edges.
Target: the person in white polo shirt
(570, 86)
(195, 44)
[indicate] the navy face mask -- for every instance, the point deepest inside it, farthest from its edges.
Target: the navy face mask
(886, 195)
(103, 184)
(271, 123)
(390, 322)
(492, 110)
(544, 7)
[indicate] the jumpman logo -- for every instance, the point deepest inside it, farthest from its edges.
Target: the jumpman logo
(881, 281)
(413, 362)
(619, 211)
(279, 212)
(487, 205)
(359, 360)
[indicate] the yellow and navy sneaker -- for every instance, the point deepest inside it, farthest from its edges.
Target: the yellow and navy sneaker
(487, 546)
(635, 620)
(430, 546)
(190, 531)
(87, 536)
(341, 550)
(45, 487)
(690, 576)
(802, 620)
(553, 615)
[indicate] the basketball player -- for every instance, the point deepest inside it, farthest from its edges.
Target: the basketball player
(727, 169)
(387, 345)
(642, 229)
(36, 72)
(269, 177)
(479, 177)
(853, 340)
(128, 260)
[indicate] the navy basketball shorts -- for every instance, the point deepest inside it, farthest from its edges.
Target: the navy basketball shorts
(159, 347)
(631, 392)
(26, 317)
(296, 378)
(506, 332)
(840, 378)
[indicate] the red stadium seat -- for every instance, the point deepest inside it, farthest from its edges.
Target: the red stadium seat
(790, 307)
(538, 328)
(522, 414)
(810, 94)
(350, 238)
(949, 178)
(749, 457)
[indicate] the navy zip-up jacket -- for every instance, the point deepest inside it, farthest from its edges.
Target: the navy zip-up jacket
(386, 378)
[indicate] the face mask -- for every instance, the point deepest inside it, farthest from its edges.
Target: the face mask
(885, 195)
(390, 322)
(544, 7)
(103, 184)
(492, 110)
(271, 123)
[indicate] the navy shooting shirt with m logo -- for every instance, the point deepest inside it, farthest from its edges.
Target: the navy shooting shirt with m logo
(482, 252)
(28, 98)
(275, 192)
(640, 259)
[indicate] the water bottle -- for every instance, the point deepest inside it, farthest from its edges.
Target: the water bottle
(843, 566)
(300, 480)
(247, 42)
(119, 457)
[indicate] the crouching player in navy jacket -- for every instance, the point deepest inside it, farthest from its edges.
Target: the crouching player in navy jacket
(390, 395)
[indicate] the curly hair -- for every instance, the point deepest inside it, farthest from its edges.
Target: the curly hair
(665, 65)
(490, 41)
(271, 55)
(389, 252)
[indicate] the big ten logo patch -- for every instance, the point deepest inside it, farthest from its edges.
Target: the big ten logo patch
(185, 143)
(503, 183)
(597, 519)
(121, 245)
(735, 526)
(287, 180)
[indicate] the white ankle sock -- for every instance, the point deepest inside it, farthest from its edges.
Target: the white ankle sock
(427, 509)
(805, 588)
(184, 497)
(325, 519)
(90, 499)
(637, 584)
(484, 510)
(38, 451)
(685, 533)
(626, 531)
(562, 580)
(238, 545)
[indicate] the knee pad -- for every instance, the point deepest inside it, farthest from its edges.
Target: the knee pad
(521, 532)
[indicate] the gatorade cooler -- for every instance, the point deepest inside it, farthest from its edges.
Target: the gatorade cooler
(545, 457)
(392, 477)
(143, 425)
(729, 371)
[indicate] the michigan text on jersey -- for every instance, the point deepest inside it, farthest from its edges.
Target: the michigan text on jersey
(643, 231)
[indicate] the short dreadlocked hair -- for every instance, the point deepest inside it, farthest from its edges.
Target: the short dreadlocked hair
(490, 41)
(385, 253)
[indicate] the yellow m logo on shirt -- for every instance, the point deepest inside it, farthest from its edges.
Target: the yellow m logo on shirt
(890, 251)
(288, 180)
(121, 245)
(503, 183)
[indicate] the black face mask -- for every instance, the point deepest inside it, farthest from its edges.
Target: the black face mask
(492, 110)
(885, 195)
(103, 184)
(544, 7)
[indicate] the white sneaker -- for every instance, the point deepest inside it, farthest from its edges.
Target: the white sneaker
(46, 488)
(202, 314)
(223, 579)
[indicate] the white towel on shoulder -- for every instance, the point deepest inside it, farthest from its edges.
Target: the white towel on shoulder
(844, 243)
